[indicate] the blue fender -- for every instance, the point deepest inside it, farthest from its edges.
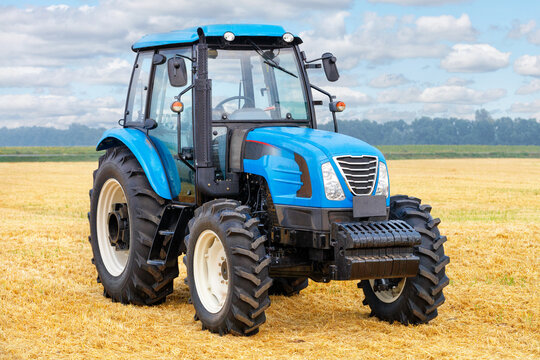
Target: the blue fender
(153, 156)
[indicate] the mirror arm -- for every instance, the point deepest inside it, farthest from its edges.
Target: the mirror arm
(310, 61)
(331, 99)
(185, 57)
(321, 58)
(183, 92)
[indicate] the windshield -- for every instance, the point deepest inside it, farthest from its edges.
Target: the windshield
(256, 85)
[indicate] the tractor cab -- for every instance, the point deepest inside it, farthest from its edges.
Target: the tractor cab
(255, 76)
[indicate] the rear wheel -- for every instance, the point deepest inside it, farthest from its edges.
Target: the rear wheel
(227, 268)
(412, 300)
(124, 215)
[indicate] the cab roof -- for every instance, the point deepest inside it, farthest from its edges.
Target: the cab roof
(189, 35)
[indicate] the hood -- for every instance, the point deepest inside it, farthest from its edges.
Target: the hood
(318, 145)
(272, 152)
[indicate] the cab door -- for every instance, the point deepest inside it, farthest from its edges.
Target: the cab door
(174, 131)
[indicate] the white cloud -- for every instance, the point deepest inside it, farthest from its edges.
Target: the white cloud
(528, 30)
(31, 77)
(459, 95)
(531, 87)
(103, 71)
(348, 95)
(530, 109)
(534, 37)
(332, 24)
(431, 109)
(528, 65)
(386, 38)
(519, 29)
(458, 81)
(527, 108)
(106, 71)
(448, 110)
(446, 27)
(56, 110)
(385, 114)
(388, 80)
(418, 2)
(474, 58)
(445, 94)
(399, 96)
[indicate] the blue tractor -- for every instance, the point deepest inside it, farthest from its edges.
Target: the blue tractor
(218, 157)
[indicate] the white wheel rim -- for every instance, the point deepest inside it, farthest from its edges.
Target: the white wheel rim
(211, 271)
(114, 260)
(390, 295)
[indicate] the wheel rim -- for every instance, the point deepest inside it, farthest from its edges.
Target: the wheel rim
(390, 295)
(211, 271)
(114, 260)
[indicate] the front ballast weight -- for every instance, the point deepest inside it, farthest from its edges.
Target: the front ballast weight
(373, 250)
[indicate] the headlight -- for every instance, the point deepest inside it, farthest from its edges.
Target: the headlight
(382, 186)
(332, 187)
(229, 36)
(288, 37)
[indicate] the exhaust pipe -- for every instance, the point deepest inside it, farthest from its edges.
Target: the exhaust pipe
(205, 170)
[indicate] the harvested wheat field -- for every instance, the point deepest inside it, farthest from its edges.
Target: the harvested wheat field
(52, 307)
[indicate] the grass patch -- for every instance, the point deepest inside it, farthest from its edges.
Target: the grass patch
(482, 215)
(395, 152)
(48, 153)
(391, 152)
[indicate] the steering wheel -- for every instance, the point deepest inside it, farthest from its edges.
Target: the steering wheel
(237, 97)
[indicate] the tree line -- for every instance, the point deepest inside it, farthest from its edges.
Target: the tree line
(74, 135)
(425, 130)
(444, 131)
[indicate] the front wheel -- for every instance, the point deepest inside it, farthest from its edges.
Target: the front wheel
(412, 300)
(227, 268)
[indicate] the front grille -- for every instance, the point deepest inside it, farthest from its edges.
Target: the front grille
(360, 172)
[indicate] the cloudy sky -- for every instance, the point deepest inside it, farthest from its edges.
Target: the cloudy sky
(68, 61)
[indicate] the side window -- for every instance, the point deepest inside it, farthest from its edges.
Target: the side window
(136, 105)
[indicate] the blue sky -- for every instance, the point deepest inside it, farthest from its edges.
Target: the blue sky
(69, 61)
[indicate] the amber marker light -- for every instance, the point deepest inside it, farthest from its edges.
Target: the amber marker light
(177, 107)
(340, 106)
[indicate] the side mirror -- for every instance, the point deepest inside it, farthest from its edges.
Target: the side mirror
(330, 67)
(177, 71)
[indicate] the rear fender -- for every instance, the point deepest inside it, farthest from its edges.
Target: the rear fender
(153, 156)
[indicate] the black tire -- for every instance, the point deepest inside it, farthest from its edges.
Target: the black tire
(288, 286)
(422, 294)
(139, 283)
(247, 298)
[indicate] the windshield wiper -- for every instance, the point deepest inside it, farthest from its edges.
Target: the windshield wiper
(269, 61)
(274, 65)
